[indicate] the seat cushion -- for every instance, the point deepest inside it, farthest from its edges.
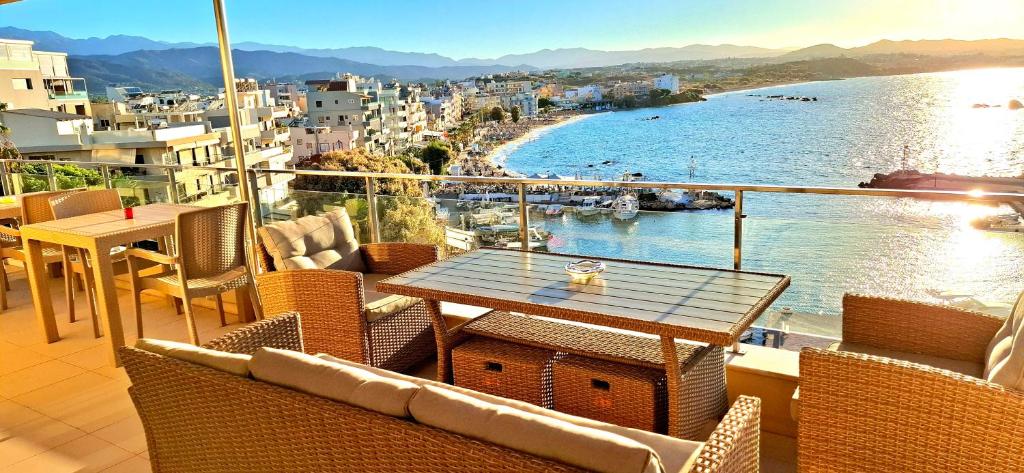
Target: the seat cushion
(370, 281)
(968, 368)
(1004, 360)
(676, 454)
(234, 363)
(314, 242)
(342, 383)
(389, 305)
(531, 433)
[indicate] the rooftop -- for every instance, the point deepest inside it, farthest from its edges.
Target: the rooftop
(38, 112)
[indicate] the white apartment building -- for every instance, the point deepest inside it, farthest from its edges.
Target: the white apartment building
(338, 103)
(308, 139)
(40, 80)
(443, 112)
(587, 93)
(527, 103)
(668, 82)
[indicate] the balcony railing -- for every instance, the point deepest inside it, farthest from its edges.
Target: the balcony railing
(708, 235)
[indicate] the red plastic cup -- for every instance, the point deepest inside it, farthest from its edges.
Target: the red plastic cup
(129, 213)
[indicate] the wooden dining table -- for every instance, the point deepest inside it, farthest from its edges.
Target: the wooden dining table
(709, 305)
(98, 234)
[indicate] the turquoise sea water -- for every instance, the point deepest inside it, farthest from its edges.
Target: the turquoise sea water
(828, 244)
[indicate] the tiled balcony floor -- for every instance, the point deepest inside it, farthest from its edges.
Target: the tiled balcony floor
(63, 409)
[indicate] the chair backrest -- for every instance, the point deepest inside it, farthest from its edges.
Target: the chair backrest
(35, 206)
(211, 241)
(82, 203)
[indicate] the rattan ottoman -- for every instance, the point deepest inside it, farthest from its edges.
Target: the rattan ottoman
(630, 396)
(504, 369)
(701, 385)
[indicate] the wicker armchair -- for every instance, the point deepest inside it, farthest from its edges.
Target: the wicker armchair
(903, 392)
(210, 260)
(35, 208)
(393, 333)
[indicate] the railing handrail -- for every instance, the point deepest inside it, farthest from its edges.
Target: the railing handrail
(514, 182)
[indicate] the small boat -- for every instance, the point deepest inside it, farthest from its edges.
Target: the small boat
(1000, 223)
(588, 207)
(625, 207)
(554, 210)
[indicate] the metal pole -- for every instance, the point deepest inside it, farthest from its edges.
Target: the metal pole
(172, 185)
(737, 246)
(256, 197)
(4, 175)
(105, 172)
(524, 219)
(227, 67)
(51, 177)
(371, 200)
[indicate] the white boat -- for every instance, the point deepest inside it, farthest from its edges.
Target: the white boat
(588, 207)
(625, 207)
(1000, 223)
(553, 210)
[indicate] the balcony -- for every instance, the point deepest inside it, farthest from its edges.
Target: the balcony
(67, 383)
(73, 95)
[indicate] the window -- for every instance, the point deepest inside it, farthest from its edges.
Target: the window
(21, 84)
(319, 104)
(351, 101)
(299, 141)
(336, 102)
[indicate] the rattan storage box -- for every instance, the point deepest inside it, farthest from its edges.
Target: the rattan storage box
(504, 369)
(620, 394)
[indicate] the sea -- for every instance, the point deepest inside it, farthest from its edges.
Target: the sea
(829, 245)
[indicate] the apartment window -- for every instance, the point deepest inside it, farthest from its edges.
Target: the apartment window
(319, 104)
(335, 102)
(341, 119)
(21, 84)
(351, 101)
(299, 141)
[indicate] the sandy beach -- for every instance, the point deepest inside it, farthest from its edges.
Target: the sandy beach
(500, 154)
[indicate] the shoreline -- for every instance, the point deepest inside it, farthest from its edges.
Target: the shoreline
(498, 156)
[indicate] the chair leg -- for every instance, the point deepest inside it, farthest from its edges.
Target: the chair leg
(190, 319)
(69, 290)
(220, 310)
(133, 279)
(177, 305)
(90, 294)
(254, 296)
(7, 285)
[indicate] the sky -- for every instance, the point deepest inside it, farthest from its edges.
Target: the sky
(489, 29)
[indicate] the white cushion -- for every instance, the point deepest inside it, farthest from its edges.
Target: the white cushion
(234, 363)
(314, 242)
(1004, 360)
(968, 368)
(538, 435)
(676, 454)
(351, 385)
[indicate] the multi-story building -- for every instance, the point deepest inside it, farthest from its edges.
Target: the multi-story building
(39, 80)
(308, 139)
(587, 93)
(339, 103)
(442, 112)
(527, 103)
(638, 88)
(668, 82)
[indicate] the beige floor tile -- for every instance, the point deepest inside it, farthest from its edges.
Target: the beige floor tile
(35, 377)
(88, 401)
(134, 464)
(11, 362)
(89, 359)
(34, 437)
(13, 414)
(85, 454)
(126, 433)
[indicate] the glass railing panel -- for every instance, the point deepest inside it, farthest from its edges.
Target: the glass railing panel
(289, 204)
(893, 247)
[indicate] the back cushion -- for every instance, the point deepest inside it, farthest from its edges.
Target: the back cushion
(537, 435)
(314, 242)
(311, 375)
(233, 363)
(1004, 363)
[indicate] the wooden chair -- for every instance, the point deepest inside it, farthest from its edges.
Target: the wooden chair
(84, 203)
(210, 260)
(35, 208)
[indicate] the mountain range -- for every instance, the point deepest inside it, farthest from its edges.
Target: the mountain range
(152, 64)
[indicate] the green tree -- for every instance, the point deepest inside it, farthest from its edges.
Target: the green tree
(515, 114)
(437, 154)
(7, 148)
(545, 102)
(497, 114)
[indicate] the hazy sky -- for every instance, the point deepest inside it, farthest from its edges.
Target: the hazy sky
(492, 28)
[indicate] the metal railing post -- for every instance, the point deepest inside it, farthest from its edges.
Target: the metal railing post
(737, 245)
(105, 172)
(4, 179)
(51, 177)
(172, 183)
(524, 219)
(371, 200)
(254, 198)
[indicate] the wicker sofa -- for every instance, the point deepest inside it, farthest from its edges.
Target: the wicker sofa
(910, 388)
(228, 415)
(307, 259)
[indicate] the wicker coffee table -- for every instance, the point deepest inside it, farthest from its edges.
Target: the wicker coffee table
(712, 306)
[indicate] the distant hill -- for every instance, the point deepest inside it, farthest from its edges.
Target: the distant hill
(939, 48)
(583, 57)
(815, 69)
(199, 68)
(116, 44)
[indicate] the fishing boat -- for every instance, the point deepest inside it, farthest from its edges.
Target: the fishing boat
(625, 207)
(553, 210)
(1000, 223)
(588, 207)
